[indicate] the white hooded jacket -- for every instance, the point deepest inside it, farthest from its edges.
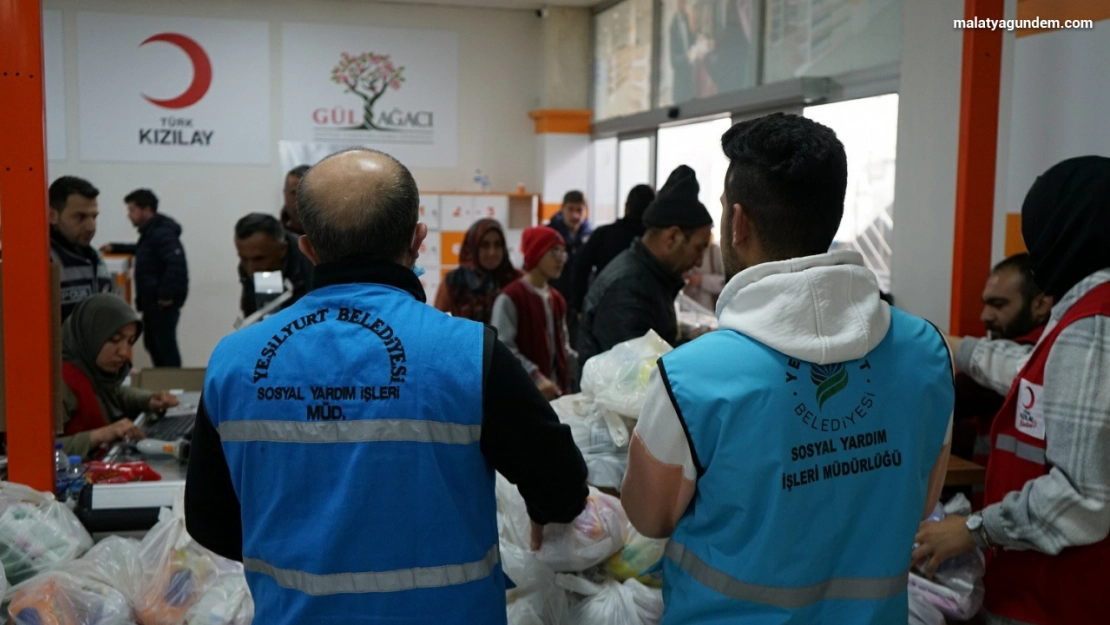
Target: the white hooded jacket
(820, 309)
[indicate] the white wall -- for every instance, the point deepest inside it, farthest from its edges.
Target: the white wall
(928, 143)
(499, 53)
(1058, 94)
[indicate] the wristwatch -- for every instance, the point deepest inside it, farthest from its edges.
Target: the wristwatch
(978, 531)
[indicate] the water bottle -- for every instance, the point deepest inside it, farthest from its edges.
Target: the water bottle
(61, 470)
(76, 477)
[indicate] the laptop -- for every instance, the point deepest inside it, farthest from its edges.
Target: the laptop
(178, 421)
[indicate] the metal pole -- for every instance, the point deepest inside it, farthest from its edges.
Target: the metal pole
(27, 308)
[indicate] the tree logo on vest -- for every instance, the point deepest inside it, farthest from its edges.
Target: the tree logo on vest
(829, 379)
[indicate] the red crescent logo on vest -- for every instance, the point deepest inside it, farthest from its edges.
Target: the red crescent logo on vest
(1032, 398)
(202, 71)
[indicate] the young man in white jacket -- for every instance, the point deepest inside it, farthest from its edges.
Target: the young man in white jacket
(791, 456)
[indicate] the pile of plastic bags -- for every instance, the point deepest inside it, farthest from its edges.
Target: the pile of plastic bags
(37, 534)
(167, 579)
(601, 418)
(576, 576)
(600, 434)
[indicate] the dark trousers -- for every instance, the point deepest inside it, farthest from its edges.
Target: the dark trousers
(160, 336)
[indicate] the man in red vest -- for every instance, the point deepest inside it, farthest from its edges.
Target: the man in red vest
(1047, 503)
(1014, 309)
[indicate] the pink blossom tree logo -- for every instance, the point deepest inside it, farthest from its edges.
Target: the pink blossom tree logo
(368, 76)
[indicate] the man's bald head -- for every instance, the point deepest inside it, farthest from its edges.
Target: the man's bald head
(359, 203)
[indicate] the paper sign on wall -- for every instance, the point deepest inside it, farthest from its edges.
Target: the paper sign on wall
(390, 89)
(53, 75)
(429, 211)
(173, 89)
(430, 249)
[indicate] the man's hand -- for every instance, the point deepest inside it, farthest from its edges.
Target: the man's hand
(537, 536)
(163, 400)
(106, 248)
(693, 278)
(122, 429)
(938, 541)
(548, 388)
(165, 303)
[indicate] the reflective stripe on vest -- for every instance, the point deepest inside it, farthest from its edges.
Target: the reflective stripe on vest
(369, 431)
(782, 596)
(1025, 451)
(376, 582)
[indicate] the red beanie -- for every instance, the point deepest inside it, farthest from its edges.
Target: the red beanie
(535, 242)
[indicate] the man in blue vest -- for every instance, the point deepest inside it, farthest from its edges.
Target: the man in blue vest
(345, 447)
(791, 455)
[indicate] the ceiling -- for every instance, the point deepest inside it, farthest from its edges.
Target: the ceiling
(496, 4)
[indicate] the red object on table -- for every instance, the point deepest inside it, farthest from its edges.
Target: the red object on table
(120, 473)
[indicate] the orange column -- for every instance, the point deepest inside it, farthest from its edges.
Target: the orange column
(28, 351)
(979, 93)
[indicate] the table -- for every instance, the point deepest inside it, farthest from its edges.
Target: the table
(964, 473)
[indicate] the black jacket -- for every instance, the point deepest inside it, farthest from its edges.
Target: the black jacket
(605, 244)
(83, 272)
(521, 437)
(160, 269)
(297, 269)
(632, 295)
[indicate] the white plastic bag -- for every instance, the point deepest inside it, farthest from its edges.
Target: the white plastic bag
(692, 316)
(589, 540)
(536, 600)
(513, 525)
(957, 586)
(113, 562)
(37, 534)
(638, 559)
(602, 437)
(61, 598)
(612, 603)
(922, 612)
(226, 602)
(617, 379)
(177, 572)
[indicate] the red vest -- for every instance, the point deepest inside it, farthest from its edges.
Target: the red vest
(979, 405)
(1073, 587)
(531, 329)
(88, 415)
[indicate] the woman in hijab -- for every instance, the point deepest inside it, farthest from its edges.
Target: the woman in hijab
(1047, 499)
(96, 353)
(484, 269)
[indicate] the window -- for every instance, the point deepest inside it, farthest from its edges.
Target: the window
(605, 206)
(634, 166)
(699, 146)
(829, 37)
(708, 47)
(868, 128)
(622, 59)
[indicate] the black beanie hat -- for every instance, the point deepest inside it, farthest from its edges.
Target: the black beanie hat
(677, 203)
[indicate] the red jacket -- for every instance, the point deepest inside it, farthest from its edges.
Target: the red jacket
(88, 415)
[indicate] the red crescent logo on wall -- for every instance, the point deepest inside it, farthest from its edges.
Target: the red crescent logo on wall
(202, 71)
(1032, 398)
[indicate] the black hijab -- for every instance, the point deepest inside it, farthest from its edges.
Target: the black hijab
(1065, 221)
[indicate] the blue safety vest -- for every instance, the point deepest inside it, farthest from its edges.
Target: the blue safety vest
(351, 422)
(812, 479)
